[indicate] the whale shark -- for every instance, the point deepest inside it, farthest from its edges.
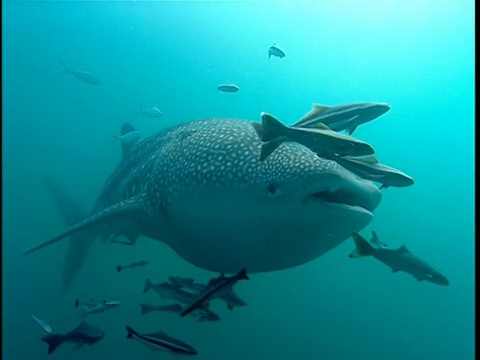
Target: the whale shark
(200, 188)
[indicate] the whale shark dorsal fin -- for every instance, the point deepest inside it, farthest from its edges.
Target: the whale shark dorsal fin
(127, 147)
(127, 128)
(403, 249)
(112, 213)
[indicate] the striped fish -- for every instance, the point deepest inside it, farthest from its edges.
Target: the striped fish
(161, 341)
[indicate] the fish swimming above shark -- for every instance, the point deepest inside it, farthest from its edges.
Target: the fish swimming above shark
(321, 141)
(203, 314)
(200, 188)
(346, 117)
(400, 259)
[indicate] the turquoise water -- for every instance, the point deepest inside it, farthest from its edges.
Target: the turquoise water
(416, 56)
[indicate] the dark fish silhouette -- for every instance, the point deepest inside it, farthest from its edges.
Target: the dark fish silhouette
(82, 334)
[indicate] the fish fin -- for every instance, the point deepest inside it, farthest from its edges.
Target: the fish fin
(127, 128)
(351, 129)
(145, 308)
(115, 139)
(403, 249)
(383, 186)
(258, 128)
(363, 247)
(119, 268)
(53, 341)
(374, 238)
(130, 332)
(79, 244)
(316, 111)
(76, 303)
(272, 128)
(148, 285)
(111, 213)
(270, 147)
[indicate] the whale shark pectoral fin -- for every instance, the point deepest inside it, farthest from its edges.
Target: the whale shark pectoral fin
(111, 213)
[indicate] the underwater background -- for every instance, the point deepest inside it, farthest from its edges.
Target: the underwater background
(418, 56)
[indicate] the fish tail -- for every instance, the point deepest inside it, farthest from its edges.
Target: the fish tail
(272, 128)
(119, 268)
(53, 341)
(363, 247)
(145, 308)
(130, 332)
(148, 285)
(115, 139)
(76, 303)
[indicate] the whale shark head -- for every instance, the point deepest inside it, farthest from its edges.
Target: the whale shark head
(224, 209)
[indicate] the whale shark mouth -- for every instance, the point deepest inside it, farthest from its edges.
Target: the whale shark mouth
(344, 197)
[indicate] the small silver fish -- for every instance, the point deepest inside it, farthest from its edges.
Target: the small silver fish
(82, 75)
(153, 112)
(127, 139)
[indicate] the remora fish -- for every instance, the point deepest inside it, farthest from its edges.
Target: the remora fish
(275, 51)
(81, 335)
(82, 75)
(202, 314)
(132, 265)
(400, 259)
(230, 298)
(370, 169)
(47, 328)
(94, 307)
(215, 286)
(342, 117)
(321, 141)
(201, 185)
(161, 341)
(229, 88)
